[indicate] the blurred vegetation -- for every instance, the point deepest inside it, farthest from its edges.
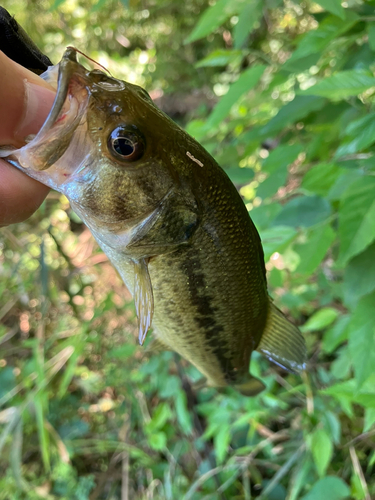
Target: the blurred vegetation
(281, 93)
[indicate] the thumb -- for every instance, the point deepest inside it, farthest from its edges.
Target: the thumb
(25, 100)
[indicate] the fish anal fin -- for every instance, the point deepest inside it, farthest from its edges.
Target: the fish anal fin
(143, 297)
(282, 342)
(251, 387)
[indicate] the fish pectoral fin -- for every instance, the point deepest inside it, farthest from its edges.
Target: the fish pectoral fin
(143, 297)
(282, 342)
(251, 387)
(170, 225)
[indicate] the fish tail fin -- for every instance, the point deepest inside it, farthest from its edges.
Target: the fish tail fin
(282, 342)
(251, 387)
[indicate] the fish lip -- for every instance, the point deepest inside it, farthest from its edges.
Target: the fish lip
(68, 69)
(40, 157)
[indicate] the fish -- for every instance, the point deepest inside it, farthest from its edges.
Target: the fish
(170, 221)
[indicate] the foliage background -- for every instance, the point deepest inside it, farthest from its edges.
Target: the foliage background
(281, 93)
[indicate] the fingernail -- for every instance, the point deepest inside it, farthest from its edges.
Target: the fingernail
(38, 102)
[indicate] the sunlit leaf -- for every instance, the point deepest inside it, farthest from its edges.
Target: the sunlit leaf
(320, 320)
(215, 16)
(245, 82)
(338, 490)
(219, 58)
(321, 448)
(276, 239)
(315, 41)
(157, 440)
(342, 84)
(357, 218)
(294, 111)
(333, 6)
(222, 440)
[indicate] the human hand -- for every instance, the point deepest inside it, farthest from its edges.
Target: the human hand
(25, 101)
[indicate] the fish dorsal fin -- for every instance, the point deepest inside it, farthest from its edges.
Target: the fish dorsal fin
(143, 297)
(282, 342)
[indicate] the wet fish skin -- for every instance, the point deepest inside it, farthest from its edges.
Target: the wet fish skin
(171, 222)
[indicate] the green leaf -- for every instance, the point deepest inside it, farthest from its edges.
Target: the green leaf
(342, 84)
(222, 439)
(313, 251)
(359, 277)
(276, 164)
(362, 132)
(272, 183)
(293, 112)
(215, 16)
(332, 425)
(219, 58)
(320, 178)
(371, 35)
(304, 211)
(247, 21)
(42, 432)
(341, 367)
(183, 415)
(362, 338)
(240, 175)
(321, 448)
(336, 335)
(276, 239)
(159, 418)
(315, 41)
(157, 440)
(356, 218)
(263, 215)
(333, 6)
(320, 320)
(247, 80)
(282, 156)
(369, 419)
(338, 490)
(342, 183)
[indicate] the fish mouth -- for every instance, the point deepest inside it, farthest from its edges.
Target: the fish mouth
(59, 150)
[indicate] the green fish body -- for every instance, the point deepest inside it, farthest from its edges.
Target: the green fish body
(169, 219)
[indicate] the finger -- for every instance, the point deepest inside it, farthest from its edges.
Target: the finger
(20, 195)
(25, 100)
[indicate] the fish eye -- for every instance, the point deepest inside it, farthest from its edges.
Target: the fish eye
(126, 143)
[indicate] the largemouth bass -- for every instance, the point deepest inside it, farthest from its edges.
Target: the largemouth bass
(168, 218)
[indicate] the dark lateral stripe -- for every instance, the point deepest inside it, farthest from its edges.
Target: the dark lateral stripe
(205, 318)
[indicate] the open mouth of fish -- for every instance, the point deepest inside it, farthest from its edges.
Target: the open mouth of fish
(63, 145)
